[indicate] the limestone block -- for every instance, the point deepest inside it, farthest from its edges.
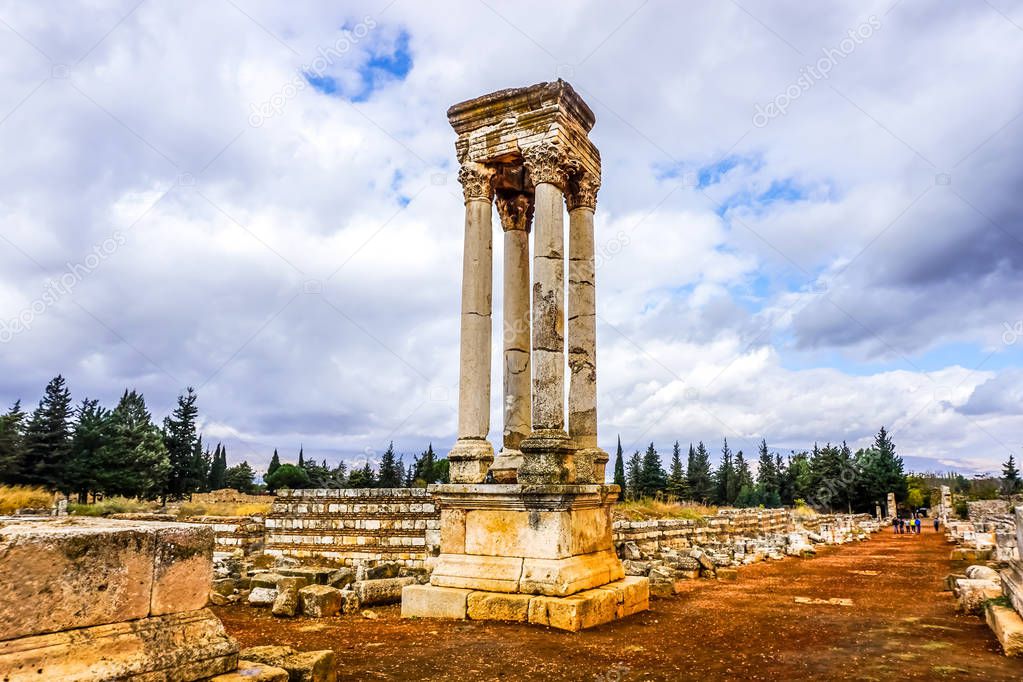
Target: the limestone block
(562, 577)
(349, 602)
(495, 574)
(250, 671)
(183, 569)
(341, 577)
(286, 603)
(546, 535)
(1008, 628)
(583, 610)
(269, 580)
(180, 646)
(308, 666)
(430, 601)
(319, 601)
(498, 606)
(262, 596)
(978, 572)
(729, 574)
(388, 569)
(632, 595)
(292, 582)
(452, 531)
(385, 591)
(58, 577)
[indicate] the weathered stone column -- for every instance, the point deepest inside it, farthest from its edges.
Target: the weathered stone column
(582, 329)
(472, 454)
(516, 212)
(893, 510)
(548, 453)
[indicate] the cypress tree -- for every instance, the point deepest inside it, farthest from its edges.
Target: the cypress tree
(619, 477)
(698, 475)
(726, 489)
(12, 446)
(275, 463)
(634, 476)
(767, 472)
(48, 436)
(218, 468)
(301, 458)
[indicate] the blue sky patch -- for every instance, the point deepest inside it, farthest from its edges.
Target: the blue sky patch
(388, 61)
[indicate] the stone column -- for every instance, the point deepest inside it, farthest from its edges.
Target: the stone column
(472, 454)
(516, 212)
(548, 453)
(582, 329)
(893, 510)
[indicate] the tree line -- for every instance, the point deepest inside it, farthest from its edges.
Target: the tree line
(830, 477)
(87, 449)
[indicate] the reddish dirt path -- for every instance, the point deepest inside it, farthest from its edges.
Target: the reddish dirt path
(900, 626)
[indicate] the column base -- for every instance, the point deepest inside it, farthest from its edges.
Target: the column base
(579, 611)
(469, 460)
(548, 457)
(505, 468)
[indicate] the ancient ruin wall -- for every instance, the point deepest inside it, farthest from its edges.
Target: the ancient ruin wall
(232, 533)
(354, 527)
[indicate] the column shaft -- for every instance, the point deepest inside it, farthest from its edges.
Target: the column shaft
(549, 310)
(582, 330)
(516, 338)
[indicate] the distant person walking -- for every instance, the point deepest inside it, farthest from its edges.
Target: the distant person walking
(918, 525)
(895, 525)
(937, 523)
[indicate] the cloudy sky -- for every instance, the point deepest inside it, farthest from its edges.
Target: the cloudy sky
(810, 222)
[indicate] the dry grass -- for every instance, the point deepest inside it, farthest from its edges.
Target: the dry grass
(113, 505)
(15, 497)
(189, 509)
(803, 512)
(648, 508)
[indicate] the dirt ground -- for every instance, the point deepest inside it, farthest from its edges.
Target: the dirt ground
(900, 625)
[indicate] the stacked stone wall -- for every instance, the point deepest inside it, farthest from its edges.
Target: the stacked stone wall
(354, 527)
(234, 533)
(230, 496)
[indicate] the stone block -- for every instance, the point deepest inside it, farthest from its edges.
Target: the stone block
(292, 582)
(971, 594)
(1008, 628)
(631, 593)
(729, 574)
(430, 601)
(562, 577)
(307, 666)
(183, 569)
(493, 574)
(583, 610)
(978, 572)
(250, 671)
(179, 646)
(268, 580)
(89, 572)
(349, 602)
(262, 596)
(385, 591)
(320, 601)
(286, 603)
(498, 606)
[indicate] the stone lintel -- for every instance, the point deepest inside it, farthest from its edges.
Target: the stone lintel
(523, 497)
(496, 128)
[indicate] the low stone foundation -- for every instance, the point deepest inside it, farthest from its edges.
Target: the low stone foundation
(578, 611)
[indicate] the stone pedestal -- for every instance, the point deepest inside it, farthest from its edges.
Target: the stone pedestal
(525, 552)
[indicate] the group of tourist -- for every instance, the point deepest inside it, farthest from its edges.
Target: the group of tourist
(901, 526)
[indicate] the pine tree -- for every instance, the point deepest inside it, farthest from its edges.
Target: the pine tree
(784, 486)
(12, 446)
(301, 457)
(48, 436)
(179, 437)
(239, 477)
(677, 475)
(652, 477)
(634, 476)
(698, 475)
(363, 477)
(134, 462)
(91, 433)
(725, 482)
(425, 468)
(390, 473)
(879, 471)
(826, 470)
(1010, 476)
(619, 477)
(743, 476)
(199, 470)
(767, 472)
(275, 463)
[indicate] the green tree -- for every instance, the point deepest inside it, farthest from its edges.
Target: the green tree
(634, 476)
(301, 457)
(240, 477)
(677, 475)
(698, 475)
(619, 477)
(879, 471)
(1010, 476)
(275, 462)
(799, 477)
(12, 446)
(390, 469)
(362, 477)
(287, 476)
(218, 468)
(726, 488)
(653, 480)
(180, 437)
(47, 439)
(92, 432)
(748, 497)
(743, 475)
(767, 471)
(134, 462)
(831, 477)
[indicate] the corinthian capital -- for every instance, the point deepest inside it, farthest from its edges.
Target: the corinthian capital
(547, 162)
(477, 181)
(515, 210)
(582, 190)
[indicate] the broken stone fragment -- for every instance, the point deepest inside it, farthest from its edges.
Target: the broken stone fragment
(307, 666)
(286, 603)
(380, 571)
(250, 671)
(341, 577)
(262, 596)
(386, 591)
(978, 572)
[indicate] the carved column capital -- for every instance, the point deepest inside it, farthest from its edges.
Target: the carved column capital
(477, 181)
(515, 210)
(582, 190)
(547, 162)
